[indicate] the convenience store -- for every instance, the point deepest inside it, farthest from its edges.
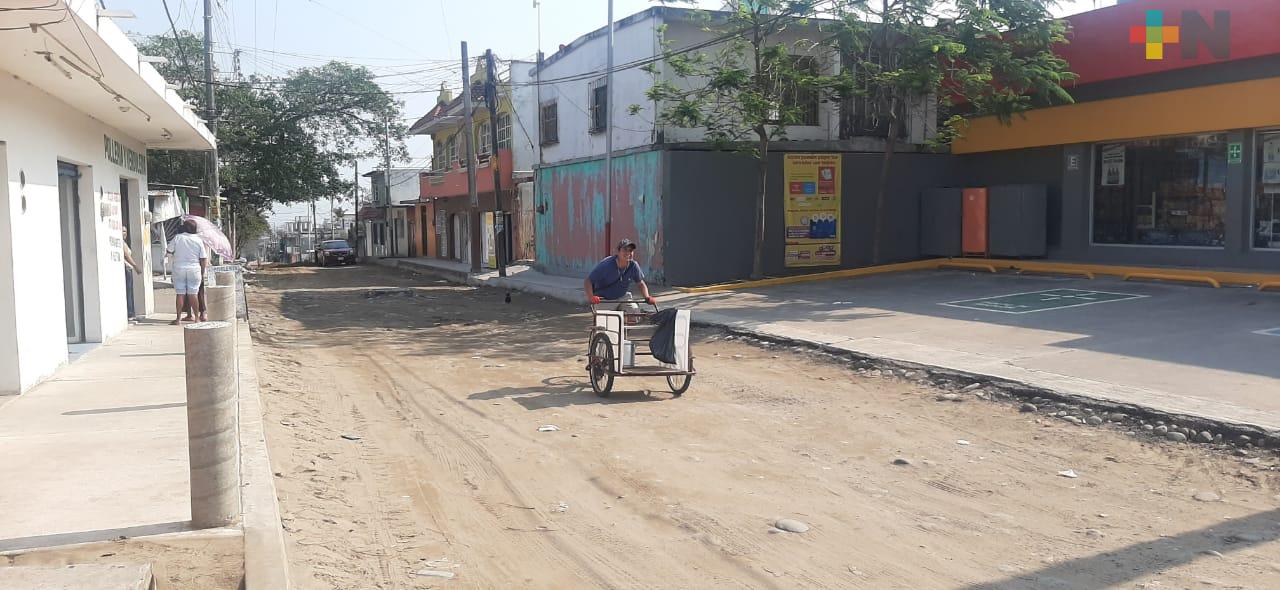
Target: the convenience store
(1171, 153)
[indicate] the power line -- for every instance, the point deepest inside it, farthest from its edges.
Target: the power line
(666, 54)
(66, 13)
(182, 51)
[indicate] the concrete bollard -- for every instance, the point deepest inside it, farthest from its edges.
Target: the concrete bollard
(212, 428)
(225, 278)
(222, 303)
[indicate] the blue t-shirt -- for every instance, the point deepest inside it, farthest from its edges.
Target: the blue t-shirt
(610, 282)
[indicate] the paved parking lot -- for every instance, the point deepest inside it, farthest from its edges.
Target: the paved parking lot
(1179, 348)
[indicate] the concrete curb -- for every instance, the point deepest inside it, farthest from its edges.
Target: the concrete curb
(266, 565)
(1156, 405)
(1152, 404)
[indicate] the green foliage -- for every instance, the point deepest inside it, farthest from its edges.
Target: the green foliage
(250, 225)
(752, 85)
(280, 140)
(987, 57)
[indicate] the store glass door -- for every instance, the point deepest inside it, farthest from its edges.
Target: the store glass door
(72, 255)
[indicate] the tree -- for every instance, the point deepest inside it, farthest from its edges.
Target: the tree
(280, 140)
(978, 57)
(250, 225)
(746, 90)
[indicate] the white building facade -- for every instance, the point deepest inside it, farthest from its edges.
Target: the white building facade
(78, 110)
(569, 77)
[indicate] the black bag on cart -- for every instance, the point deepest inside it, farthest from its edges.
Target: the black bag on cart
(663, 344)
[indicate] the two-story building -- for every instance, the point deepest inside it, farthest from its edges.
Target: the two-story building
(690, 208)
(79, 108)
(443, 208)
(391, 230)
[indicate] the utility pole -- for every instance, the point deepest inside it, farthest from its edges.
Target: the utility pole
(537, 84)
(356, 225)
(474, 199)
(386, 181)
(500, 228)
(608, 140)
(314, 228)
(210, 113)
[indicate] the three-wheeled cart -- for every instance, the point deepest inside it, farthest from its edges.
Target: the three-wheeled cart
(621, 332)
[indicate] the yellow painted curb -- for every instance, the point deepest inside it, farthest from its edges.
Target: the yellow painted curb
(822, 276)
(1211, 277)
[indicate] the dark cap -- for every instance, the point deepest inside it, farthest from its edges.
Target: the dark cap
(626, 243)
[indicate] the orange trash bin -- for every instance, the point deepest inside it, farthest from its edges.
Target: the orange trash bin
(974, 222)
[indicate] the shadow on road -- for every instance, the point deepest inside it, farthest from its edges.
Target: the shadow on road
(561, 392)
(1112, 568)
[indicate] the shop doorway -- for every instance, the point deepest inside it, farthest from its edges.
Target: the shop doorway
(455, 228)
(72, 252)
(413, 245)
(125, 230)
(426, 234)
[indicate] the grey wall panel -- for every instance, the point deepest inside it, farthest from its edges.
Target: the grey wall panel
(940, 221)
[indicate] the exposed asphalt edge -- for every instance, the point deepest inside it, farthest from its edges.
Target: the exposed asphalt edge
(266, 565)
(938, 375)
(951, 378)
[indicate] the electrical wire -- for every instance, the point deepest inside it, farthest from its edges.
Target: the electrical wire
(182, 51)
(664, 55)
(66, 13)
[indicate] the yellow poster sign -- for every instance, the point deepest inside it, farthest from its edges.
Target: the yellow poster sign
(812, 209)
(813, 254)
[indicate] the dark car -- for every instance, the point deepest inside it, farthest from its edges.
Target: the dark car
(335, 252)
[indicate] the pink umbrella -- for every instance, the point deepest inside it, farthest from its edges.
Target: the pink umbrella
(209, 233)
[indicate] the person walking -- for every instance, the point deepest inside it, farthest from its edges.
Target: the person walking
(190, 259)
(129, 264)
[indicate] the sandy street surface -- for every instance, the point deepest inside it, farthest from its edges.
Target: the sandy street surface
(450, 484)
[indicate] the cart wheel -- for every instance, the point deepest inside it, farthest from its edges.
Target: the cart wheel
(601, 365)
(679, 383)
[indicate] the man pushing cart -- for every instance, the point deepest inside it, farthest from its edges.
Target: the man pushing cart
(621, 331)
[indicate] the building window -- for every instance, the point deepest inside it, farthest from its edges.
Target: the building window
(1161, 192)
(598, 97)
(504, 131)
(1266, 203)
(451, 150)
(482, 138)
(801, 105)
(549, 123)
(867, 113)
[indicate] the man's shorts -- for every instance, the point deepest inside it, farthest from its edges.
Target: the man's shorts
(186, 280)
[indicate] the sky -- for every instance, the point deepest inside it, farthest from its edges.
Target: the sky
(413, 45)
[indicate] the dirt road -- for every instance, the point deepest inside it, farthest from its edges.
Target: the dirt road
(449, 483)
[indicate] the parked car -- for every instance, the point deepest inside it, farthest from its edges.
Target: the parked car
(335, 252)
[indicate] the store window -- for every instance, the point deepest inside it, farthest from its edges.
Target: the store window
(1266, 203)
(1161, 192)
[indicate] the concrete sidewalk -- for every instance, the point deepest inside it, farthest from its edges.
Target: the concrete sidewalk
(1174, 349)
(99, 452)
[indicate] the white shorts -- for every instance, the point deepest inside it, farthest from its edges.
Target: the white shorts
(186, 280)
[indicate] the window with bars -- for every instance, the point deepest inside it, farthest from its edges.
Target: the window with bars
(549, 123)
(504, 131)
(598, 97)
(870, 110)
(801, 103)
(482, 138)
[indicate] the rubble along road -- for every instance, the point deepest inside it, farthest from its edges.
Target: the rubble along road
(404, 415)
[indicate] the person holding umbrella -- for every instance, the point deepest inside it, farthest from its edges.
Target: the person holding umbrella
(190, 259)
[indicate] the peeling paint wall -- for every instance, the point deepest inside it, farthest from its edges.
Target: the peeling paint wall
(570, 214)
